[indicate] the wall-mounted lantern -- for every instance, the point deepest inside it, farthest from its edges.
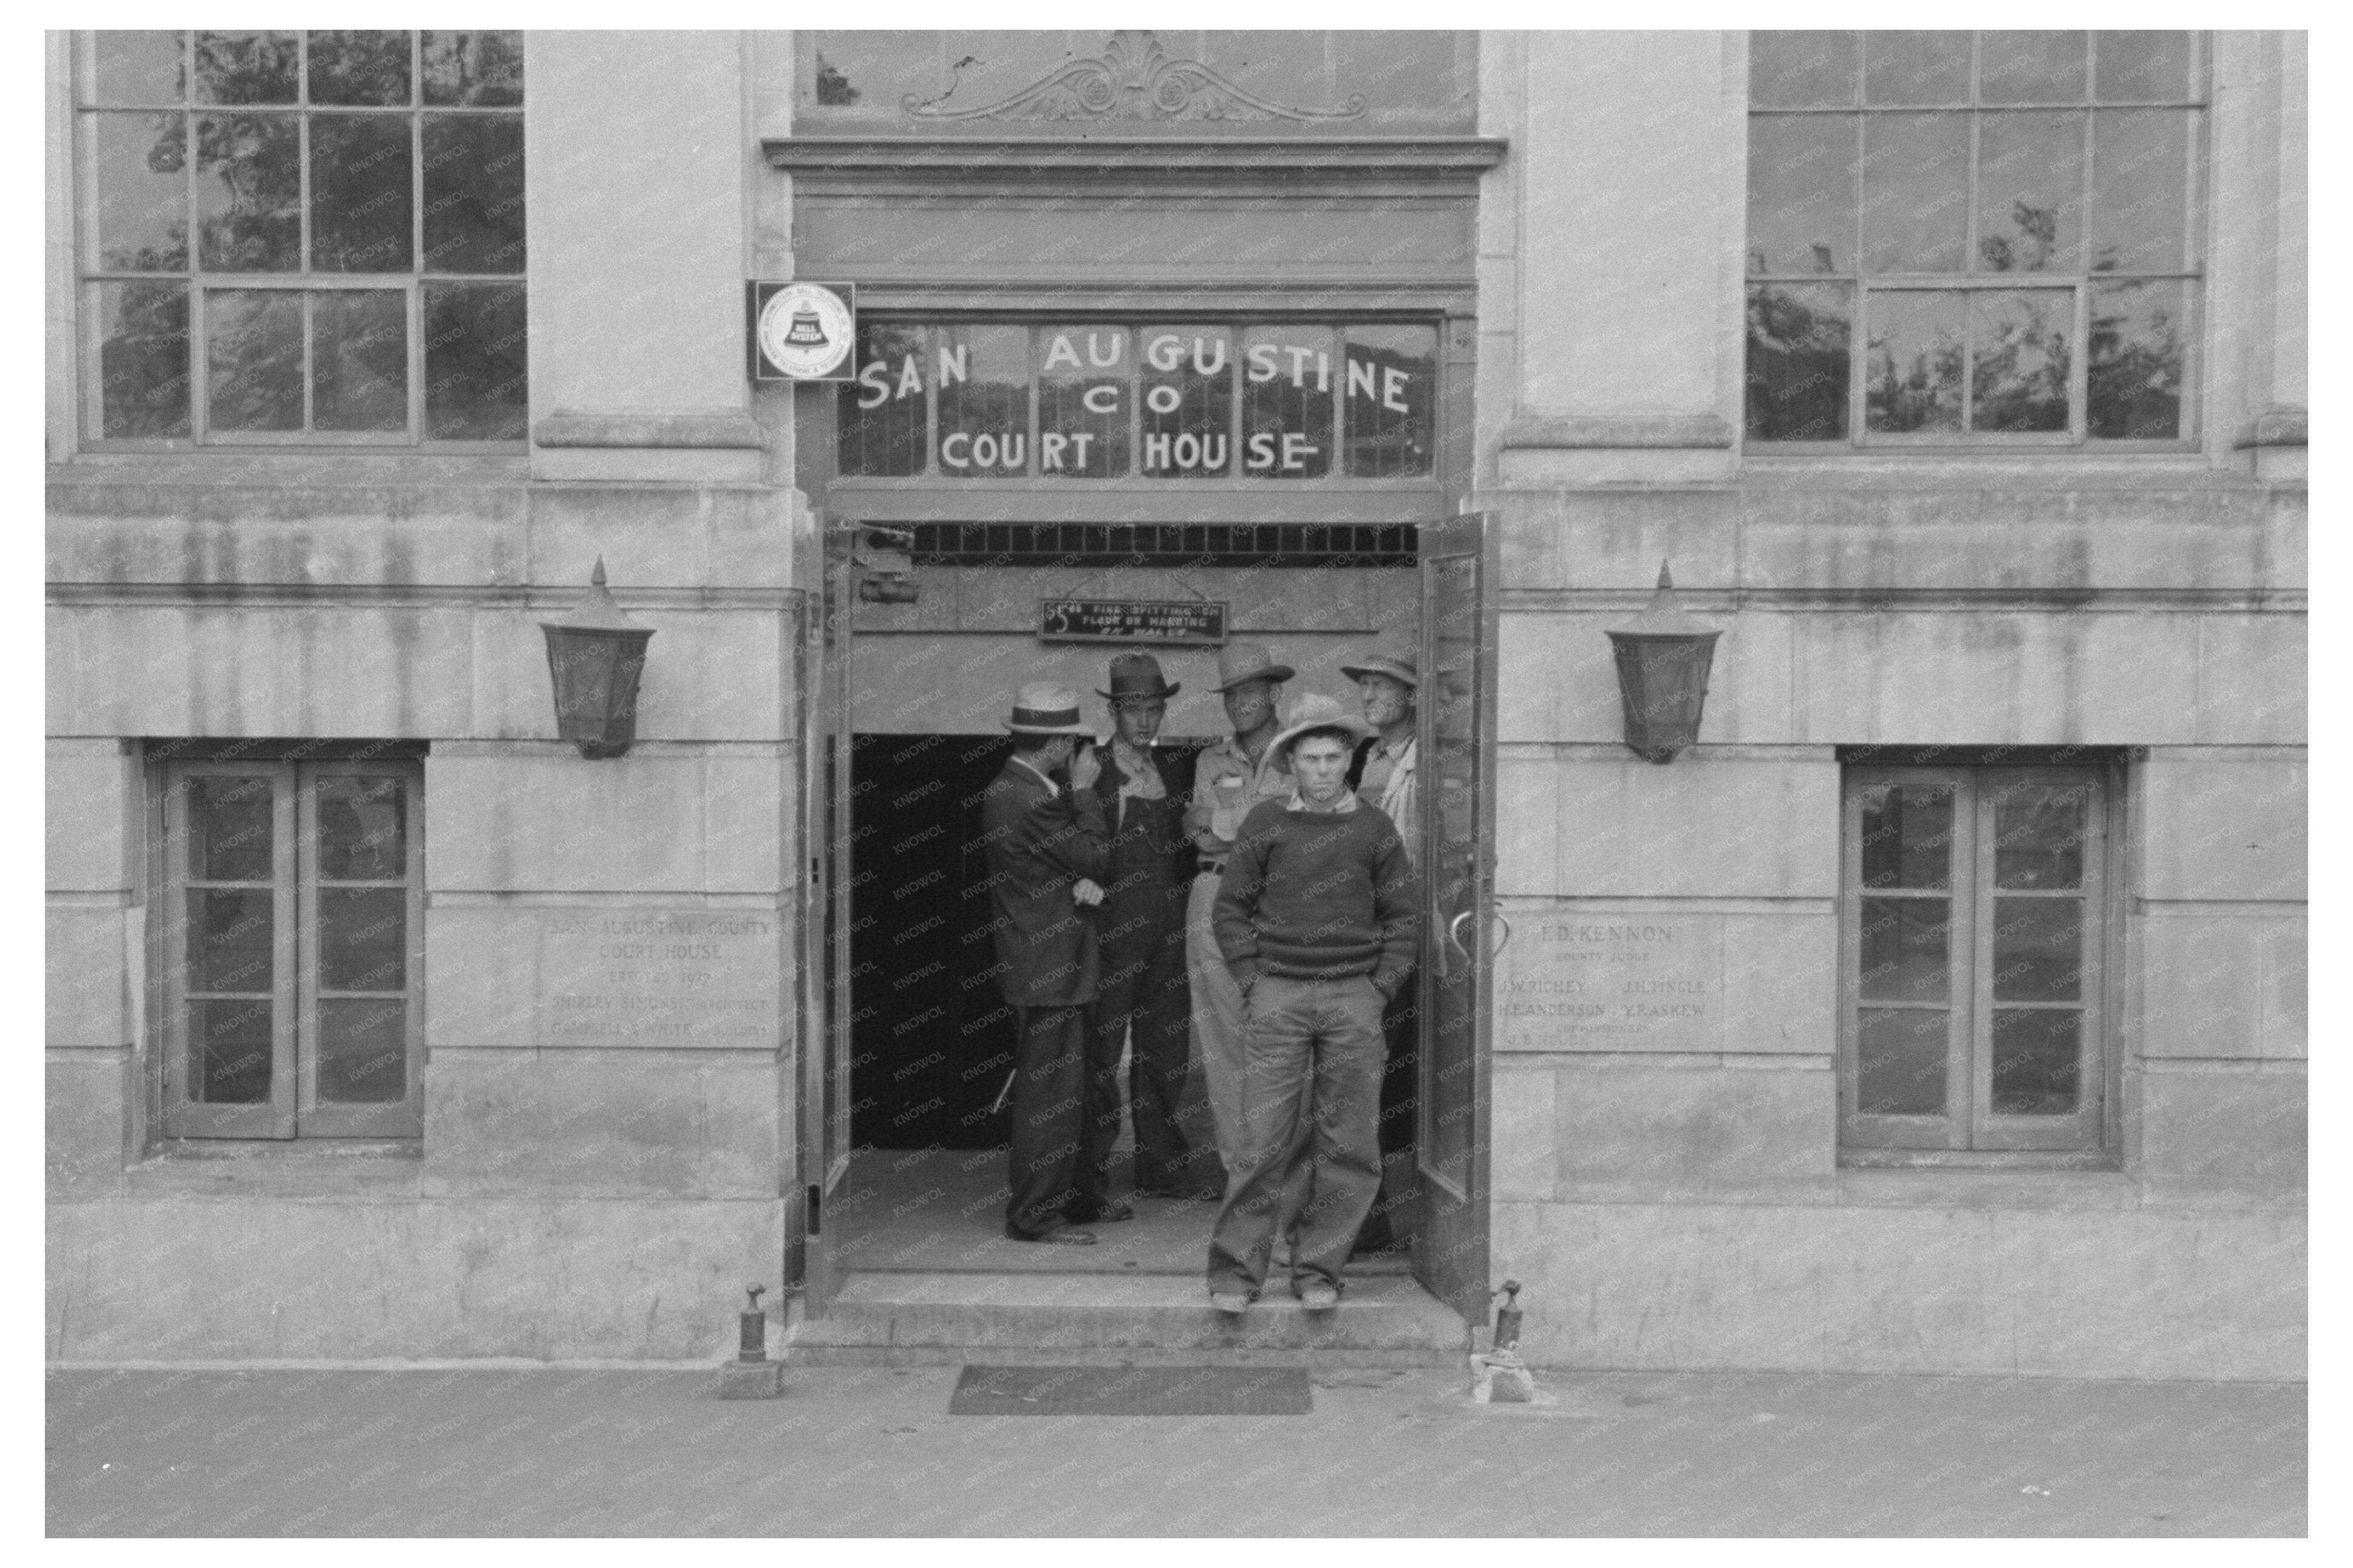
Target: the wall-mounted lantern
(596, 655)
(1662, 664)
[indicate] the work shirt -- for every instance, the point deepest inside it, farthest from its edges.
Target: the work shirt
(1388, 783)
(1226, 785)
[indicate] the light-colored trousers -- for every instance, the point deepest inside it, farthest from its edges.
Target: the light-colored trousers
(1216, 1018)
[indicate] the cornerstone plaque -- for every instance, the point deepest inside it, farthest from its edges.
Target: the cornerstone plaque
(1578, 982)
(658, 978)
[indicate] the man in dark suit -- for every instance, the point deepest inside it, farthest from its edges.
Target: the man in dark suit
(1048, 852)
(1141, 926)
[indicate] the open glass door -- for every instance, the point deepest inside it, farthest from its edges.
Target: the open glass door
(1456, 741)
(814, 1257)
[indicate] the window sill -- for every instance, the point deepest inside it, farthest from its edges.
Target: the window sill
(2050, 1190)
(325, 1170)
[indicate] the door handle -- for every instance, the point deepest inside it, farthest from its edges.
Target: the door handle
(1454, 934)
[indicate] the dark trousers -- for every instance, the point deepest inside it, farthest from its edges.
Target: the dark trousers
(1049, 1067)
(1143, 986)
(1393, 1213)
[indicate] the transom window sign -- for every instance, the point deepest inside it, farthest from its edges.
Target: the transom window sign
(301, 237)
(1119, 400)
(290, 930)
(2009, 225)
(1975, 938)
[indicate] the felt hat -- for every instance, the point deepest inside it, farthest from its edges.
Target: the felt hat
(1043, 708)
(1136, 676)
(1240, 661)
(1314, 711)
(1397, 655)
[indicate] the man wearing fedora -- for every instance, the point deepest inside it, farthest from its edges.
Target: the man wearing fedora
(1229, 777)
(1388, 680)
(1048, 848)
(1140, 927)
(1317, 917)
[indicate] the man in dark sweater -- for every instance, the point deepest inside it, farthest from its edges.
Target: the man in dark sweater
(1316, 920)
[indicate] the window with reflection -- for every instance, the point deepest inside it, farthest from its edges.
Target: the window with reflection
(290, 941)
(1986, 237)
(1973, 1016)
(303, 236)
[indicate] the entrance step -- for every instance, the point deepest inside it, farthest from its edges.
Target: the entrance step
(1032, 1319)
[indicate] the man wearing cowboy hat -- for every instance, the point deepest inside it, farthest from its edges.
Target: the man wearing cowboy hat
(1230, 776)
(1389, 679)
(1140, 926)
(1318, 918)
(1046, 847)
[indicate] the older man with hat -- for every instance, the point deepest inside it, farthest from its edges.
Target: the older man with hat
(1388, 682)
(1318, 918)
(1230, 776)
(1140, 926)
(1048, 848)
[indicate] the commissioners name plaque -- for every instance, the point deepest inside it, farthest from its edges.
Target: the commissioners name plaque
(659, 977)
(1612, 983)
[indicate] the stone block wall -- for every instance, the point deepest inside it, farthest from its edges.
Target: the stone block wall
(1676, 1196)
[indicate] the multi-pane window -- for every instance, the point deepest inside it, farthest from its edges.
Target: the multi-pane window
(290, 940)
(301, 237)
(2007, 225)
(1180, 401)
(1973, 1015)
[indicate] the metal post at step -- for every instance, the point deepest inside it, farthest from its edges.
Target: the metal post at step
(1498, 1376)
(751, 1375)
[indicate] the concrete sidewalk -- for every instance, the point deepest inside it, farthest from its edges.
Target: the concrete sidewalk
(873, 1451)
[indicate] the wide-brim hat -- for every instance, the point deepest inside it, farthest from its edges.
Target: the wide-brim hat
(1398, 656)
(1043, 708)
(1138, 676)
(1314, 712)
(1240, 661)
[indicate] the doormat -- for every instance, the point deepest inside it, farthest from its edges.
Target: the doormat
(1132, 1390)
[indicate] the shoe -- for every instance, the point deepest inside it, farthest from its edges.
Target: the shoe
(1183, 1194)
(1104, 1215)
(1065, 1236)
(1232, 1303)
(1319, 1298)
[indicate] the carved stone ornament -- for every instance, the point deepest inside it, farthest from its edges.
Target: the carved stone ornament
(1132, 79)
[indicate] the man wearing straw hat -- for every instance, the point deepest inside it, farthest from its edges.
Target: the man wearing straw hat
(1047, 850)
(1318, 918)
(1388, 680)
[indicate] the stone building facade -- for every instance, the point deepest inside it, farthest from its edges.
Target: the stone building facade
(1940, 1010)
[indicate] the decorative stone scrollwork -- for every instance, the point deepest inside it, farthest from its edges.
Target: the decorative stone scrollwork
(1132, 79)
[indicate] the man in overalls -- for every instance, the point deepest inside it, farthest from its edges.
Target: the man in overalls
(1140, 927)
(1389, 681)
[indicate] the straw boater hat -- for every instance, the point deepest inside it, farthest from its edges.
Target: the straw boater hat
(1240, 661)
(1315, 712)
(1397, 655)
(1043, 708)
(1136, 677)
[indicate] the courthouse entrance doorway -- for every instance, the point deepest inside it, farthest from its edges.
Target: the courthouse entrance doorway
(906, 1174)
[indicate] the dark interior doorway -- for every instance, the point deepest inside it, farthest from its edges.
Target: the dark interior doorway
(931, 1037)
